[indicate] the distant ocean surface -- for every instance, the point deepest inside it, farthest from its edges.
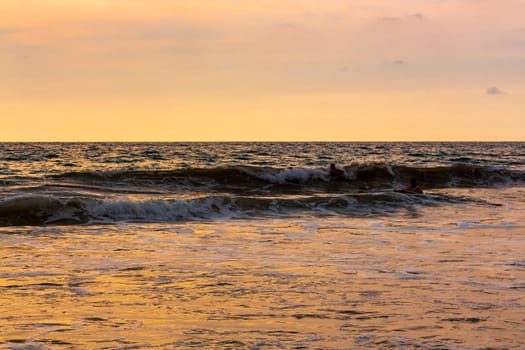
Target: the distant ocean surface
(256, 246)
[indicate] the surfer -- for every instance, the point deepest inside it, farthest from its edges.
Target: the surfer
(413, 188)
(336, 173)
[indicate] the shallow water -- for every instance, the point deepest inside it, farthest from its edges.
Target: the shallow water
(441, 278)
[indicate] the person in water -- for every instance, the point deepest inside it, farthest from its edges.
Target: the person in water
(336, 173)
(413, 188)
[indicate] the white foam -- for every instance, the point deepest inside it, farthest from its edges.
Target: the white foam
(390, 170)
(162, 210)
(295, 175)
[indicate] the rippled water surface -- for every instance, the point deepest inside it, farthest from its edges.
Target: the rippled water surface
(254, 246)
(48, 158)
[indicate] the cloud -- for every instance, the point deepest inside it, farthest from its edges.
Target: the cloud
(417, 16)
(4, 30)
(391, 19)
(399, 62)
(7, 30)
(286, 25)
(493, 90)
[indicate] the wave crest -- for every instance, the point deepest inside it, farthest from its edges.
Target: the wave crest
(49, 210)
(359, 176)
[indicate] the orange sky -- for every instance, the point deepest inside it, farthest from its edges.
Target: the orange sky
(157, 70)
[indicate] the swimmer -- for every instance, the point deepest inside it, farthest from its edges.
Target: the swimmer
(413, 188)
(336, 173)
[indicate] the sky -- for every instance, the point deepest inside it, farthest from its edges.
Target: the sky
(262, 70)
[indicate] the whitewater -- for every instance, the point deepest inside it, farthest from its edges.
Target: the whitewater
(256, 246)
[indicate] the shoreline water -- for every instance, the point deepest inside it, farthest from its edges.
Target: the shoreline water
(314, 283)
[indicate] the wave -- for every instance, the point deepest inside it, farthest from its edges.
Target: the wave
(234, 192)
(41, 210)
(36, 210)
(357, 176)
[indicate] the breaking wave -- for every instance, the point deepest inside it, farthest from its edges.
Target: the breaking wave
(235, 192)
(38, 210)
(358, 176)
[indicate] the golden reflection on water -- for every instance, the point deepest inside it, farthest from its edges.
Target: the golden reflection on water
(325, 283)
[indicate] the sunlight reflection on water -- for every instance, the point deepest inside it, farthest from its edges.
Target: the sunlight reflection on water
(401, 282)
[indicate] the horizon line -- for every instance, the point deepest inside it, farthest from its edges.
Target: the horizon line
(258, 141)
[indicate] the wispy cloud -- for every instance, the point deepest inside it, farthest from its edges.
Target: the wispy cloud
(8, 30)
(493, 90)
(391, 19)
(417, 16)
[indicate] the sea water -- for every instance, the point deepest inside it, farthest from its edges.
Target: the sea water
(256, 246)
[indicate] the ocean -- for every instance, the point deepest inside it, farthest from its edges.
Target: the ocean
(256, 246)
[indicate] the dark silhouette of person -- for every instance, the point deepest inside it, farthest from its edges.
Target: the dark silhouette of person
(413, 188)
(336, 173)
